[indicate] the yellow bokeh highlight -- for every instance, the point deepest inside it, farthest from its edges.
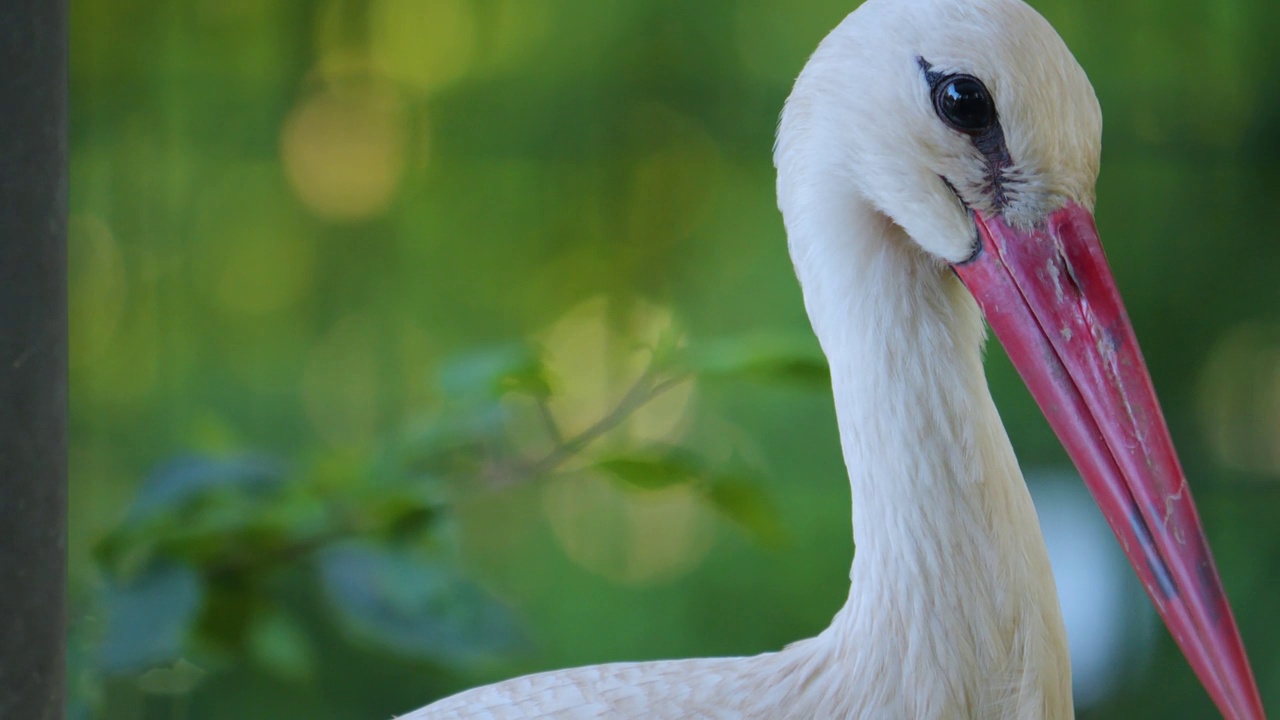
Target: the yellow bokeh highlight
(631, 537)
(594, 354)
(422, 44)
(344, 149)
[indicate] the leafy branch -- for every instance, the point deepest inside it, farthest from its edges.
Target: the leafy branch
(195, 558)
(644, 390)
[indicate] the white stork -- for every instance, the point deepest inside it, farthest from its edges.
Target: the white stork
(936, 162)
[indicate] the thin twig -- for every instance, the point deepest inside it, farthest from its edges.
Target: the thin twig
(549, 422)
(636, 397)
(666, 385)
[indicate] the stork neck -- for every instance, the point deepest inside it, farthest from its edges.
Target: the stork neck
(922, 442)
(947, 541)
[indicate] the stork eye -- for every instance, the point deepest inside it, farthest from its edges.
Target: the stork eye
(962, 101)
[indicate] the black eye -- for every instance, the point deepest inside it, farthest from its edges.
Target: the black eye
(963, 103)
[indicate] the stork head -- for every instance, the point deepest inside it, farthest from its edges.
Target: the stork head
(969, 125)
(935, 108)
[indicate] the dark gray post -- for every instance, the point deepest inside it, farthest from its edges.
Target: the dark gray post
(33, 357)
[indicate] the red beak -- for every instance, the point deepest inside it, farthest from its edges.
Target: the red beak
(1049, 296)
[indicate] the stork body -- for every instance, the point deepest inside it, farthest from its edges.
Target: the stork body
(904, 198)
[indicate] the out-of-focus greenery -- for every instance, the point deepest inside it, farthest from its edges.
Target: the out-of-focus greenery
(421, 343)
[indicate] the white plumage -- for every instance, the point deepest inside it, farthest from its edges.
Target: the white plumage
(952, 611)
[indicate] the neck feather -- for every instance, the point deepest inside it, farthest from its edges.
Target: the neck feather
(951, 579)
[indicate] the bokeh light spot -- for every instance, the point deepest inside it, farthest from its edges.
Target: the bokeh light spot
(344, 149)
(595, 353)
(632, 537)
(424, 45)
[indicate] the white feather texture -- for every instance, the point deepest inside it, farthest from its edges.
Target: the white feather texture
(952, 610)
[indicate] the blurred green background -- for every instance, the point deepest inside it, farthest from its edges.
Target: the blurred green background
(351, 279)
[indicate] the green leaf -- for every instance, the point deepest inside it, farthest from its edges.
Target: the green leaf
(178, 483)
(655, 470)
(493, 372)
(179, 679)
(414, 605)
(188, 502)
(736, 496)
(409, 521)
(149, 617)
(762, 358)
(667, 348)
(743, 502)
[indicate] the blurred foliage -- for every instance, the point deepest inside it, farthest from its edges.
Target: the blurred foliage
(194, 558)
(420, 343)
(193, 569)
